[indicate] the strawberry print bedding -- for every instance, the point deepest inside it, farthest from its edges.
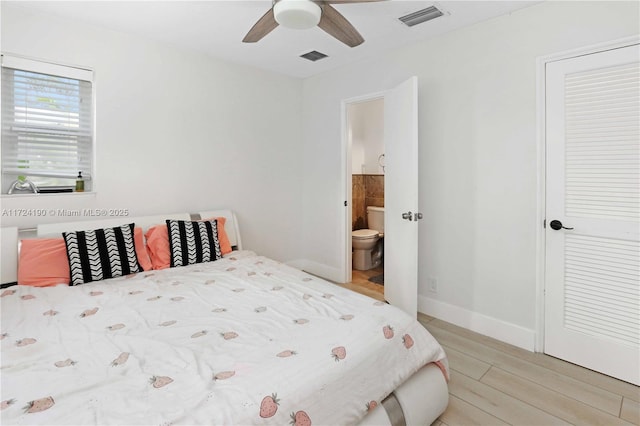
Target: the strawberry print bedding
(243, 340)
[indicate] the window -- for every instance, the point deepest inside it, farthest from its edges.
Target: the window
(47, 124)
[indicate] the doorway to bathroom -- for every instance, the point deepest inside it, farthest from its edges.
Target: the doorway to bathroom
(401, 213)
(365, 134)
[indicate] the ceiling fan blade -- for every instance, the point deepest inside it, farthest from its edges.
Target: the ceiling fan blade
(351, 1)
(264, 26)
(336, 25)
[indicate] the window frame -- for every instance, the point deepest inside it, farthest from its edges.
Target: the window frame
(64, 70)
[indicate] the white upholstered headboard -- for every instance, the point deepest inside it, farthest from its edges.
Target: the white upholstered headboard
(231, 225)
(10, 237)
(9, 255)
(54, 230)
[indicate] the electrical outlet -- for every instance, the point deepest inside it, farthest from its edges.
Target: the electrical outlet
(433, 284)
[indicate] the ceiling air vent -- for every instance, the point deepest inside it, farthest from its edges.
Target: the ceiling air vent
(314, 56)
(421, 16)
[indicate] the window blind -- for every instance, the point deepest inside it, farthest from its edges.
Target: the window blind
(47, 119)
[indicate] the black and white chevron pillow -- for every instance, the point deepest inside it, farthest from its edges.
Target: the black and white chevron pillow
(193, 242)
(100, 254)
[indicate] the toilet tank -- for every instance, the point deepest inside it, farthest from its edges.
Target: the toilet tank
(375, 218)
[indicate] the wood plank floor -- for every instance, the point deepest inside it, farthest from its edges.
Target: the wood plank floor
(360, 283)
(494, 383)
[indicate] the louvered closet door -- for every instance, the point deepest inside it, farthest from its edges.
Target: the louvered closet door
(592, 281)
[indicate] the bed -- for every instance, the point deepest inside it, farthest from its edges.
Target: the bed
(241, 340)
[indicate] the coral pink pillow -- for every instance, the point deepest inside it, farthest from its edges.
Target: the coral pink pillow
(44, 262)
(223, 238)
(158, 246)
(141, 250)
(158, 243)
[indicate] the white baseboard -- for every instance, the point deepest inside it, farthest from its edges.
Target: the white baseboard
(319, 269)
(498, 329)
(296, 263)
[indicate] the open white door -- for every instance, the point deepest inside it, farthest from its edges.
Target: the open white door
(592, 279)
(401, 196)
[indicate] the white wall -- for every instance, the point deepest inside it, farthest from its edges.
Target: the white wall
(477, 109)
(176, 131)
(366, 127)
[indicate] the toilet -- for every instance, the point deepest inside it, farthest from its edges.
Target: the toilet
(367, 243)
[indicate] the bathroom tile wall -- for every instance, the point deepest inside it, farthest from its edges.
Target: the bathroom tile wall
(374, 185)
(358, 208)
(367, 190)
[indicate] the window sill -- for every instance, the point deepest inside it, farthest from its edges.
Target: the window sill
(54, 194)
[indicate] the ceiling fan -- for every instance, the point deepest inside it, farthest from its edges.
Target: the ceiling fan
(303, 14)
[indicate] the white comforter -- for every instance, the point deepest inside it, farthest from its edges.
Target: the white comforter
(214, 343)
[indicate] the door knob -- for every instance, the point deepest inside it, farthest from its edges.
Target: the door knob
(418, 216)
(557, 225)
(407, 216)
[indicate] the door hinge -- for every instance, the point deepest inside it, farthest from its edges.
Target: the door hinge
(345, 204)
(544, 223)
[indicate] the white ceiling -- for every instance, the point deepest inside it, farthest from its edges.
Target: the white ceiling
(217, 27)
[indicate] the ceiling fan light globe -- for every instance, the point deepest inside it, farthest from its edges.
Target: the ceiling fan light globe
(297, 14)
